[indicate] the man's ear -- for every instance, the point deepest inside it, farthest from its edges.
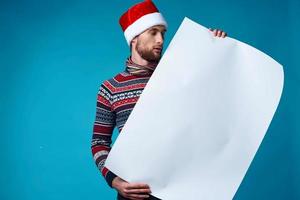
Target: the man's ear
(134, 40)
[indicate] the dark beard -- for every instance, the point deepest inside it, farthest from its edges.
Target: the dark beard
(147, 54)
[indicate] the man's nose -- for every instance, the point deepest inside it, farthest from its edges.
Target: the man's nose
(159, 39)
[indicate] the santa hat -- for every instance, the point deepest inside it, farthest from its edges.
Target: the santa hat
(140, 17)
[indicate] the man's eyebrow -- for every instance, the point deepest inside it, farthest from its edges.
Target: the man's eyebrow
(157, 29)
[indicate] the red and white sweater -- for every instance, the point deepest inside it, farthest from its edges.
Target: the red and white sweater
(115, 101)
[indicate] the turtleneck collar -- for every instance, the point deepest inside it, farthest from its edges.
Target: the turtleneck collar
(136, 69)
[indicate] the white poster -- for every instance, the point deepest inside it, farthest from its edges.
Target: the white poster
(201, 118)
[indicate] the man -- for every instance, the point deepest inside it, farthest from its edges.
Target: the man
(144, 29)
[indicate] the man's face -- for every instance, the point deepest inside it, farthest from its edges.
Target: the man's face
(150, 43)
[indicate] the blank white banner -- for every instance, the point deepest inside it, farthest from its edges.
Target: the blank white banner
(201, 118)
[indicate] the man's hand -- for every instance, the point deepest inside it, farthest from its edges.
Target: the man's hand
(134, 191)
(218, 32)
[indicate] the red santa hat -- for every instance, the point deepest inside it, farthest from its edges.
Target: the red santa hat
(140, 17)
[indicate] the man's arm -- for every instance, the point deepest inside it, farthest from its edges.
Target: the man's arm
(102, 132)
(101, 145)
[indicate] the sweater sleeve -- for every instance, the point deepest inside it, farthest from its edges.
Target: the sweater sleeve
(102, 132)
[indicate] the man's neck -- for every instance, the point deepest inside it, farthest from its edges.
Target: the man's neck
(136, 58)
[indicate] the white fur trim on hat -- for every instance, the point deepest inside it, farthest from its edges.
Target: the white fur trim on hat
(142, 24)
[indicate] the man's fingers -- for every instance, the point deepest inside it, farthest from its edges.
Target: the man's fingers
(136, 191)
(137, 186)
(218, 32)
(215, 32)
(224, 34)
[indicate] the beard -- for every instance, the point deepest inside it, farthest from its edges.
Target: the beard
(147, 54)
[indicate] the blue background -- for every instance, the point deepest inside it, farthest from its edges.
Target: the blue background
(55, 54)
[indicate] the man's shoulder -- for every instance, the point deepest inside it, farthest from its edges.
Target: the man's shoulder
(120, 77)
(124, 81)
(117, 80)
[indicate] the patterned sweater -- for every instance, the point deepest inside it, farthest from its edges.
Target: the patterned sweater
(115, 101)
